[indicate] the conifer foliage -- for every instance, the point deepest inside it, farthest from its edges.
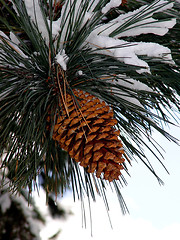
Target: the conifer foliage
(84, 81)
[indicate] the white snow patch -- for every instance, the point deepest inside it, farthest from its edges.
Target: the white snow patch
(55, 27)
(130, 83)
(149, 26)
(62, 59)
(65, 18)
(13, 38)
(138, 22)
(35, 13)
(113, 47)
(78, 8)
(111, 4)
(129, 52)
(126, 81)
(14, 7)
(5, 202)
(80, 73)
(4, 37)
(28, 213)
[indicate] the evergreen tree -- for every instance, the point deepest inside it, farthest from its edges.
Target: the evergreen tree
(83, 83)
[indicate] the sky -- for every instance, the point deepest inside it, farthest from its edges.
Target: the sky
(154, 209)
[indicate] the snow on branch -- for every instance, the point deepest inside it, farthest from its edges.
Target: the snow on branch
(106, 35)
(62, 59)
(138, 22)
(111, 4)
(129, 52)
(12, 41)
(134, 23)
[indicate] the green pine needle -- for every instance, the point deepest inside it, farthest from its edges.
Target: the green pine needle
(29, 93)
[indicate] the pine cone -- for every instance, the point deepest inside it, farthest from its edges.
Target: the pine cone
(86, 130)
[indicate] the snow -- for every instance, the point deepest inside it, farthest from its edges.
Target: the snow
(145, 25)
(141, 22)
(52, 225)
(28, 213)
(80, 73)
(131, 83)
(5, 202)
(66, 21)
(111, 4)
(13, 43)
(138, 22)
(62, 59)
(13, 38)
(35, 13)
(3, 36)
(55, 27)
(134, 23)
(148, 26)
(6, 198)
(153, 50)
(128, 52)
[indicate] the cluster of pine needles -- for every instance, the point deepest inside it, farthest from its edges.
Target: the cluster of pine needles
(35, 114)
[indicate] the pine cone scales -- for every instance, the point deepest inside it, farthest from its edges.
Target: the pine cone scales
(86, 131)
